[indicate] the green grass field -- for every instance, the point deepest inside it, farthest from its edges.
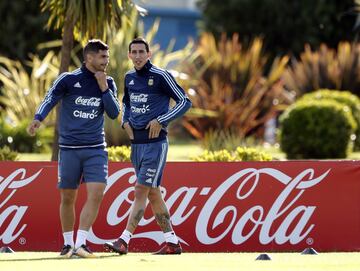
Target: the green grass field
(45, 261)
(177, 152)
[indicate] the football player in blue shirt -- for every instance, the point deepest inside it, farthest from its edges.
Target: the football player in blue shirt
(85, 94)
(146, 115)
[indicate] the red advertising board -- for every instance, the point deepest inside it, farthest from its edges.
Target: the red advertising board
(215, 207)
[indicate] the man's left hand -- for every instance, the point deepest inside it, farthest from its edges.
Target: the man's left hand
(155, 128)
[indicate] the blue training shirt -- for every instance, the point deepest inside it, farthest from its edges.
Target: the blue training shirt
(147, 96)
(81, 118)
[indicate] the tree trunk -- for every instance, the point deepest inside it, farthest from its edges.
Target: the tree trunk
(67, 45)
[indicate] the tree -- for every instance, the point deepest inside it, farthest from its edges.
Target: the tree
(284, 25)
(19, 38)
(81, 20)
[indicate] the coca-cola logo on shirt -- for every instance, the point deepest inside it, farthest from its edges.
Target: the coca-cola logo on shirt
(93, 101)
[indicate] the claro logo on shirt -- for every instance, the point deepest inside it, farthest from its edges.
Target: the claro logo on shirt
(85, 115)
(140, 110)
(88, 101)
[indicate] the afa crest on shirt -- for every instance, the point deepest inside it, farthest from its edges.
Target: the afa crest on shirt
(151, 82)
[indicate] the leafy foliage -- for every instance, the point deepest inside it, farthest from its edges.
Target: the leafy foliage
(240, 154)
(234, 84)
(16, 137)
(343, 97)
(119, 153)
(215, 156)
(252, 154)
(90, 17)
(325, 69)
(277, 21)
(316, 129)
(21, 28)
(6, 154)
(22, 93)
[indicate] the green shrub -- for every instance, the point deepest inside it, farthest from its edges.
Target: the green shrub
(16, 137)
(119, 153)
(240, 154)
(6, 154)
(344, 97)
(316, 129)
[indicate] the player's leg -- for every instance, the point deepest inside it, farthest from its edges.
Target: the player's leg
(162, 216)
(138, 207)
(138, 158)
(158, 206)
(95, 173)
(69, 171)
(136, 214)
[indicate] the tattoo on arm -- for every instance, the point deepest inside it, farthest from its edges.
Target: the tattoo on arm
(164, 221)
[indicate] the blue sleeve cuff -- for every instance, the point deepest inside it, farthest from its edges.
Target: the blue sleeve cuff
(106, 91)
(38, 117)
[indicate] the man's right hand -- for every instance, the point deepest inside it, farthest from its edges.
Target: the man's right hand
(129, 130)
(33, 126)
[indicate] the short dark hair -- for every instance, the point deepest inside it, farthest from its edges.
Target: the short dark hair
(139, 40)
(94, 46)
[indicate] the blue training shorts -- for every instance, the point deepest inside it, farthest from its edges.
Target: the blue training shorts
(149, 161)
(82, 165)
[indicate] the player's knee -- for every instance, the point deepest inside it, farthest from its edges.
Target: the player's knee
(141, 191)
(154, 196)
(68, 198)
(95, 196)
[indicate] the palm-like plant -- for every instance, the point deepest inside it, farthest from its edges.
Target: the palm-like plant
(232, 82)
(325, 68)
(22, 93)
(82, 19)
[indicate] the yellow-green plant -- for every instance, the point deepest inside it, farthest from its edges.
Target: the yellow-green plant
(233, 82)
(251, 154)
(214, 156)
(325, 68)
(6, 154)
(119, 153)
(239, 154)
(23, 92)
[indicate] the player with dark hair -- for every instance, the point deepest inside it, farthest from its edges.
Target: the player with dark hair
(85, 94)
(146, 115)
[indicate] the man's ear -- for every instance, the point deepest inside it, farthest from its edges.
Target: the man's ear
(89, 57)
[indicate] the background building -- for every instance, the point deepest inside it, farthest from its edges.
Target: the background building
(178, 20)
